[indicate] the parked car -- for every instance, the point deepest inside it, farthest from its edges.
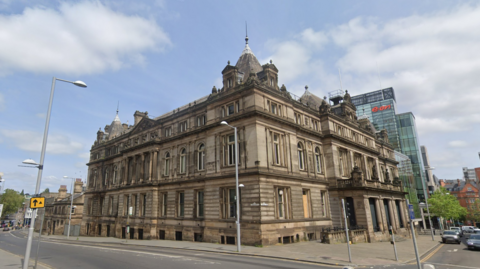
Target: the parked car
(474, 241)
(458, 230)
(451, 236)
(5, 229)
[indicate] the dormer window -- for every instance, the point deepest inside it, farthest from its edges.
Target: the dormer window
(229, 83)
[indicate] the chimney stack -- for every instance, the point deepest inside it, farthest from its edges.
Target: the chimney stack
(78, 186)
(62, 192)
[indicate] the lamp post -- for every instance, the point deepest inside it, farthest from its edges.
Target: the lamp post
(40, 165)
(426, 203)
(71, 207)
(237, 198)
(2, 181)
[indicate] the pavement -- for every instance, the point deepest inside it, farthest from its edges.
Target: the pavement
(9, 260)
(381, 253)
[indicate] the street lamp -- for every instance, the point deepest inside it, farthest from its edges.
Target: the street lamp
(236, 185)
(71, 206)
(426, 203)
(40, 165)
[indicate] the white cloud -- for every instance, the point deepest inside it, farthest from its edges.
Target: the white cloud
(2, 102)
(77, 38)
(431, 60)
(32, 141)
(41, 115)
(458, 144)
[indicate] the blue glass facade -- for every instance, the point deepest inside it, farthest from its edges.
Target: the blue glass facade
(381, 108)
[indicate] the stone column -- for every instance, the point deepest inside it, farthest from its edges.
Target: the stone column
(380, 214)
(142, 175)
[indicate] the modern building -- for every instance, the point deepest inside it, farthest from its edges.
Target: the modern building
(432, 183)
(405, 173)
(469, 174)
(173, 177)
(381, 108)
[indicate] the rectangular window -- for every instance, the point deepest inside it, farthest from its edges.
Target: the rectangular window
(344, 167)
(282, 197)
(273, 108)
(228, 203)
(181, 204)
(200, 204)
(307, 206)
(163, 205)
(183, 126)
(144, 205)
(237, 106)
(168, 131)
(134, 205)
(110, 209)
(323, 203)
(230, 109)
(231, 150)
(201, 120)
(125, 205)
(276, 149)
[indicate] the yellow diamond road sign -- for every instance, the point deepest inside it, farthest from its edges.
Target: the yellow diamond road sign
(37, 202)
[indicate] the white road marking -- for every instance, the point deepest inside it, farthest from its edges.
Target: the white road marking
(460, 266)
(455, 250)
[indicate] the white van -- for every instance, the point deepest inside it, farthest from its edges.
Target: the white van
(468, 229)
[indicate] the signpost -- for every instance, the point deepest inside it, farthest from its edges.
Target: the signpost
(37, 202)
(412, 217)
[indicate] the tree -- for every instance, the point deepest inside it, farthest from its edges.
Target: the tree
(47, 190)
(22, 193)
(11, 201)
(474, 211)
(442, 204)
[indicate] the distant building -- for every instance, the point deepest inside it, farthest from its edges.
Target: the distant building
(57, 210)
(466, 192)
(381, 108)
(432, 183)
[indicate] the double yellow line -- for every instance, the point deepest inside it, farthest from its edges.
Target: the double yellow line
(431, 254)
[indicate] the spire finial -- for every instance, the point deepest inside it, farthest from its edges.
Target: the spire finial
(118, 104)
(246, 33)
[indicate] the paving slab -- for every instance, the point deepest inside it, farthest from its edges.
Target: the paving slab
(380, 253)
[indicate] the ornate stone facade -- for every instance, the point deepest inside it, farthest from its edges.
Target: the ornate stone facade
(297, 158)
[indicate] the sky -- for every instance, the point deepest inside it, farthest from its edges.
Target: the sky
(156, 56)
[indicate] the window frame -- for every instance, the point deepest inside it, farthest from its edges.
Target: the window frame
(200, 204)
(183, 161)
(166, 168)
(318, 160)
(301, 156)
(180, 204)
(201, 157)
(283, 209)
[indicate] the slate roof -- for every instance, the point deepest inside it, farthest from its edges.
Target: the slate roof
(248, 62)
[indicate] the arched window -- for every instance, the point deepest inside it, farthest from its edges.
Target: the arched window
(183, 158)
(318, 160)
(166, 170)
(105, 179)
(201, 157)
(301, 157)
(115, 173)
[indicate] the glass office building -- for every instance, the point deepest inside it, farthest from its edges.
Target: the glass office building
(381, 108)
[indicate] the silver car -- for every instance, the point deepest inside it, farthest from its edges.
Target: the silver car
(451, 236)
(474, 241)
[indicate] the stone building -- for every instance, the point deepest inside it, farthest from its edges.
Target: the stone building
(298, 157)
(57, 212)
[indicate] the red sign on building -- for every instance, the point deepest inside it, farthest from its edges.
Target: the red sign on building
(375, 109)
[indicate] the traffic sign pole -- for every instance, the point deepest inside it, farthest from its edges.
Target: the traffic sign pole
(412, 217)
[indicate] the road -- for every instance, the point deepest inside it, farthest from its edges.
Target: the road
(446, 256)
(82, 255)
